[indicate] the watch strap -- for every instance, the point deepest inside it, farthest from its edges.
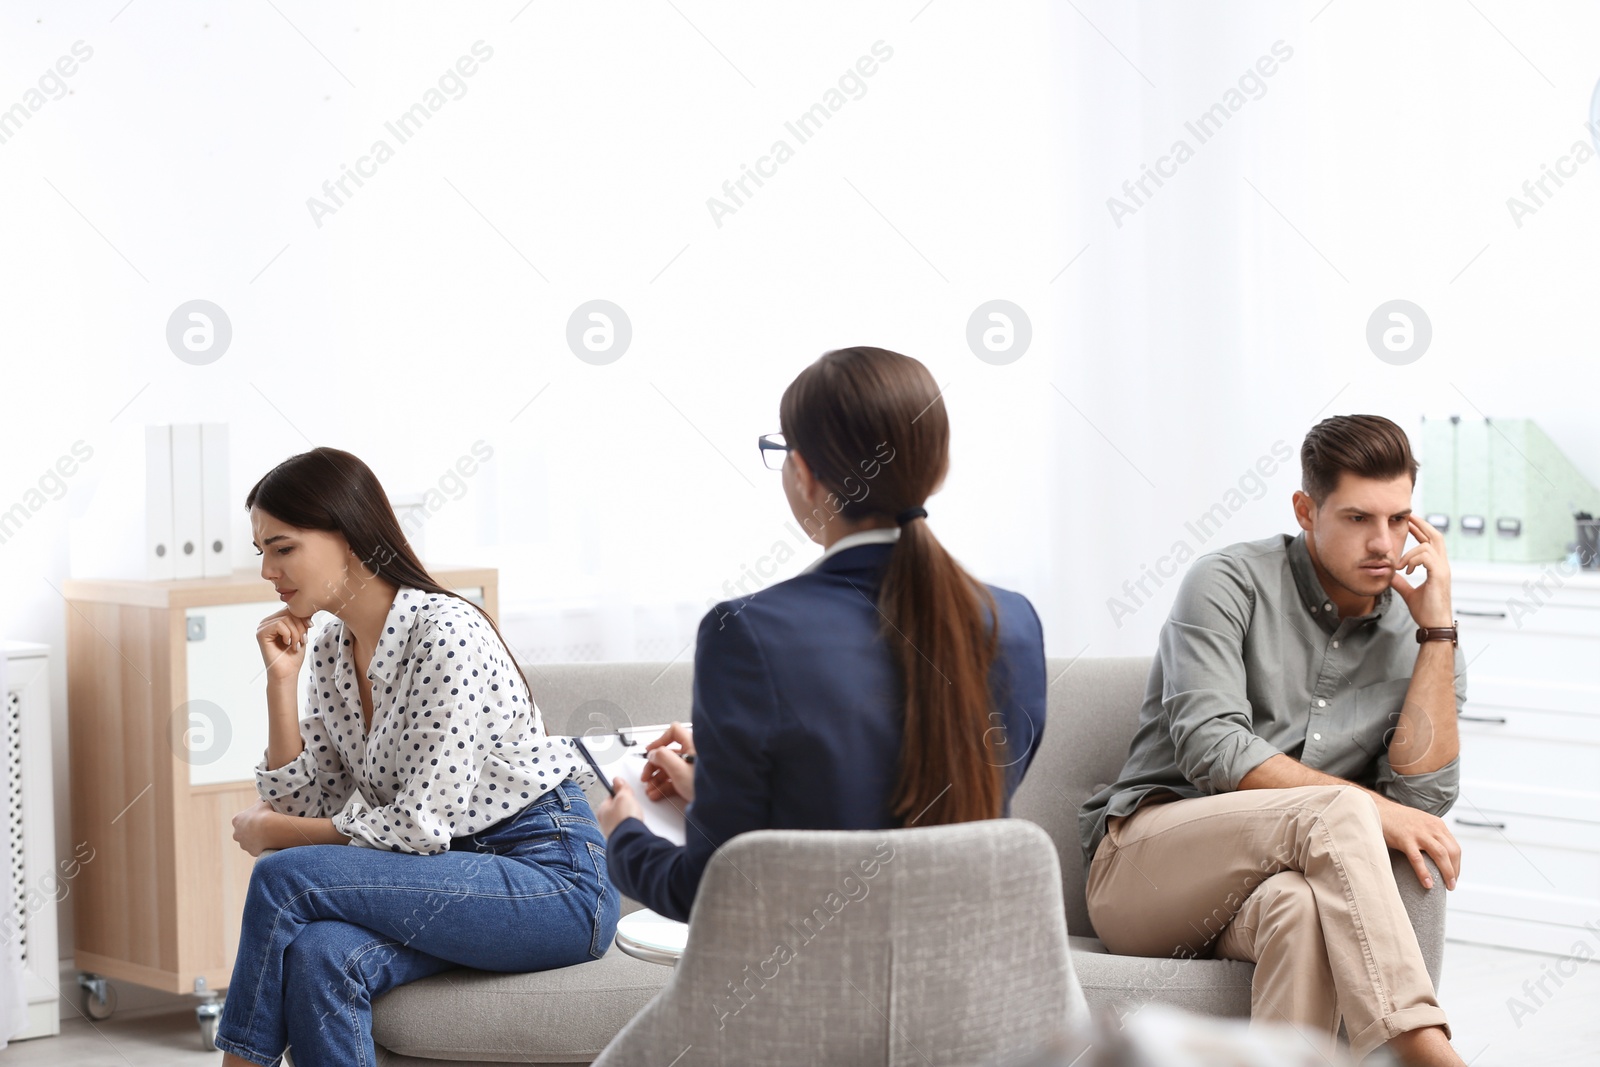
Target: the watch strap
(1438, 633)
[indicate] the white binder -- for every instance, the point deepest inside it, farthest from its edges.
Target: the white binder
(159, 556)
(215, 505)
(188, 535)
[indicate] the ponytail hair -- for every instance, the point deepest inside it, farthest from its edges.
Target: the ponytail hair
(872, 427)
(326, 489)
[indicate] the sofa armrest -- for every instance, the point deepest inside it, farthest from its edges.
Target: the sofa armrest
(1425, 908)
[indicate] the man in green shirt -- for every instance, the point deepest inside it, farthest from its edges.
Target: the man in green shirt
(1299, 722)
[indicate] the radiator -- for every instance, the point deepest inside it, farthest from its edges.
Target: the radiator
(35, 883)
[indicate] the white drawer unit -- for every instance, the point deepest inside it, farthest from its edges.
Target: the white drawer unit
(1510, 751)
(35, 882)
(1529, 813)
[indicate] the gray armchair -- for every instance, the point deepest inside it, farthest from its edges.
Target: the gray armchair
(936, 945)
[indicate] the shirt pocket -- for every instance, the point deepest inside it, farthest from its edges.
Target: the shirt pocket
(1377, 714)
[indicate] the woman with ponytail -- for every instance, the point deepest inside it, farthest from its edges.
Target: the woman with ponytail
(419, 742)
(882, 687)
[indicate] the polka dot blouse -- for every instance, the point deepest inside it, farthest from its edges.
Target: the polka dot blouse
(457, 743)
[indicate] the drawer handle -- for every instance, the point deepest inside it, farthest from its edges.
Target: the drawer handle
(1481, 614)
(1497, 719)
(1484, 825)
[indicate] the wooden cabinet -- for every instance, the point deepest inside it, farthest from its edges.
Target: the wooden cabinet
(1528, 818)
(167, 719)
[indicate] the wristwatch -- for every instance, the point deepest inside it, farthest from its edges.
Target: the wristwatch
(1438, 633)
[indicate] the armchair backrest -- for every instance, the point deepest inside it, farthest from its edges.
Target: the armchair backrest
(943, 945)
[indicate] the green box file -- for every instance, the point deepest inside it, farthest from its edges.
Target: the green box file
(1534, 490)
(1474, 482)
(1437, 477)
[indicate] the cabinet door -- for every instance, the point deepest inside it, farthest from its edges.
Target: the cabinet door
(1510, 638)
(1523, 866)
(1544, 758)
(221, 731)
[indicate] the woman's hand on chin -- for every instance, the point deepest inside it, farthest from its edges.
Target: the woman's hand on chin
(281, 637)
(620, 806)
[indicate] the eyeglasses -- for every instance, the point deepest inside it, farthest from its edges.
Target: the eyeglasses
(773, 450)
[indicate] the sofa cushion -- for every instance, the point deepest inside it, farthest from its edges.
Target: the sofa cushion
(1092, 716)
(1122, 984)
(566, 1015)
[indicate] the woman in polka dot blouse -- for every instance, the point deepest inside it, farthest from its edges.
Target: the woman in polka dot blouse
(418, 742)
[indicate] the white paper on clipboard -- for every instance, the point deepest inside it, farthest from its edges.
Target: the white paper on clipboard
(621, 754)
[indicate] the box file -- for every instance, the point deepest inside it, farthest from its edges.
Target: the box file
(1473, 513)
(1534, 492)
(1437, 478)
(159, 557)
(1511, 495)
(187, 532)
(215, 528)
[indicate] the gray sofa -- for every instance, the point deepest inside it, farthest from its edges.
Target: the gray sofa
(567, 1016)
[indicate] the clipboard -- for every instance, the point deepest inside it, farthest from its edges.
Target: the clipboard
(621, 754)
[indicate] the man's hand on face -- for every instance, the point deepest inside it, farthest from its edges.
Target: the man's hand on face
(1429, 603)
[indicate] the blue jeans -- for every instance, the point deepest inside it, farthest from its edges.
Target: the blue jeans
(329, 928)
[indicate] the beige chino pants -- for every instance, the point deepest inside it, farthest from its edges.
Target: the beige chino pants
(1297, 881)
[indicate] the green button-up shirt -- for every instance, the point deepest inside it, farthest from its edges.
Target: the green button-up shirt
(1254, 661)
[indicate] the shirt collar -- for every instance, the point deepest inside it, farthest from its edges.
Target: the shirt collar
(388, 656)
(879, 535)
(1316, 599)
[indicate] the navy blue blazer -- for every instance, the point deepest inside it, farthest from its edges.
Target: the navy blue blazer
(797, 716)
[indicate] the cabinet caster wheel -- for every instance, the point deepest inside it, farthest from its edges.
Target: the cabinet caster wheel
(99, 997)
(208, 1013)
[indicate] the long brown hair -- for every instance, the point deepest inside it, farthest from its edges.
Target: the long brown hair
(326, 489)
(844, 414)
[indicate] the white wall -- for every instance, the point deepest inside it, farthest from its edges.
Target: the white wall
(429, 311)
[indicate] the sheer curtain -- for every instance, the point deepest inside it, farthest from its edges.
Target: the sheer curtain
(1190, 299)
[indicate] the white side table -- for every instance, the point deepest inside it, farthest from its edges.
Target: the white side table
(652, 937)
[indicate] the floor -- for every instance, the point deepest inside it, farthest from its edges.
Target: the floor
(1558, 1026)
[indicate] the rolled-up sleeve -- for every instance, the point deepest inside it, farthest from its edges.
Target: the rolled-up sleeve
(1201, 647)
(1434, 792)
(315, 783)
